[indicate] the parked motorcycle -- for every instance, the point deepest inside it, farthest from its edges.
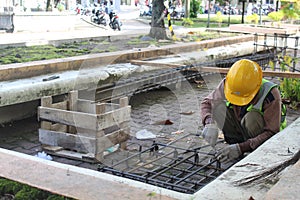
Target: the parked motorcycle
(115, 22)
(99, 17)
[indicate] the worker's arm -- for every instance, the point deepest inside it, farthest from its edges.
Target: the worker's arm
(209, 101)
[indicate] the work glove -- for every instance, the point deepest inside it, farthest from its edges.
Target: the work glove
(229, 153)
(210, 134)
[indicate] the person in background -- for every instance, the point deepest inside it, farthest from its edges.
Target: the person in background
(249, 8)
(246, 107)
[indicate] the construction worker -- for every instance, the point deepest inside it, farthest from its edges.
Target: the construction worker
(246, 107)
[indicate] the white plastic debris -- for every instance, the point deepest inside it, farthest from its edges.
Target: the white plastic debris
(43, 155)
(113, 148)
(144, 134)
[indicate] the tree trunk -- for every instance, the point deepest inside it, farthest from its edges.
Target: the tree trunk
(158, 30)
(48, 5)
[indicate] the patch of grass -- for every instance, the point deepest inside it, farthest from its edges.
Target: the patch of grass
(46, 52)
(136, 41)
(112, 48)
(24, 192)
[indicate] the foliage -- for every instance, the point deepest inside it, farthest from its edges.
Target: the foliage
(276, 15)
(252, 18)
(194, 8)
(291, 10)
(151, 194)
(219, 18)
(289, 87)
(187, 22)
(25, 192)
(60, 7)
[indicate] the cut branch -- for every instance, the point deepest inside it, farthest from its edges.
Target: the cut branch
(270, 172)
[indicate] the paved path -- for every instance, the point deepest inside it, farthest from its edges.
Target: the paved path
(81, 29)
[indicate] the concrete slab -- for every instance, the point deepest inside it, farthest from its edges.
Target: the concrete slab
(264, 29)
(76, 182)
(288, 187)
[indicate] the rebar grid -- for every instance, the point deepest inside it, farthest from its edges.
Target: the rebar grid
(280, 46)
(169, 166)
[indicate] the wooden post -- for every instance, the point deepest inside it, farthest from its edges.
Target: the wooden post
(100, 109)
(125, 126)
(72, 105)
(46, 102)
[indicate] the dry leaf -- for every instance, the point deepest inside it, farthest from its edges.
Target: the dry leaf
(187, 113)
(164, 122)
(178, 132)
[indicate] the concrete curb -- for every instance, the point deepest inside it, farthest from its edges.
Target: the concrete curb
(271, 153)
(36, 68)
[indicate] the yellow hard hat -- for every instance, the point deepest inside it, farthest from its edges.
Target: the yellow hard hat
(243, 81)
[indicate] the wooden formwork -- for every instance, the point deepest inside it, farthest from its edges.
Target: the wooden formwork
(82, 129)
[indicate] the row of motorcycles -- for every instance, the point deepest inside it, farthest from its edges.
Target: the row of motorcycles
(100, 17)
(175, 12)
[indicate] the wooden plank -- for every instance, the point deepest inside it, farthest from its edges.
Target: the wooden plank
(89, 133)
(60, 105)
(113, 117)
(67, 141)
(52, 148)
(59, 127)
(265, 73)
(86, 106)
(59, 142)
(123, 102)
(155, 64)
(111, 139)
(100, 108)
(218, 69)
(72, 118)
(86, 157)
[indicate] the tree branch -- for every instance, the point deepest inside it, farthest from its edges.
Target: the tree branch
(270, 172)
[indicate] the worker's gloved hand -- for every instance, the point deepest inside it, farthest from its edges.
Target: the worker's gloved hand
(210, 134)
(229, 153)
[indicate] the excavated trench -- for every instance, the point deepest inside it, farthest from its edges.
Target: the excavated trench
(172, 154)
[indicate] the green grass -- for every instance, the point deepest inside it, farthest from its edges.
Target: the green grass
(46, 52)
(201, 21)
(21, 191)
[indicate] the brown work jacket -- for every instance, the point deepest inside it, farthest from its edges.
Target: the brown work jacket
(271, 110)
